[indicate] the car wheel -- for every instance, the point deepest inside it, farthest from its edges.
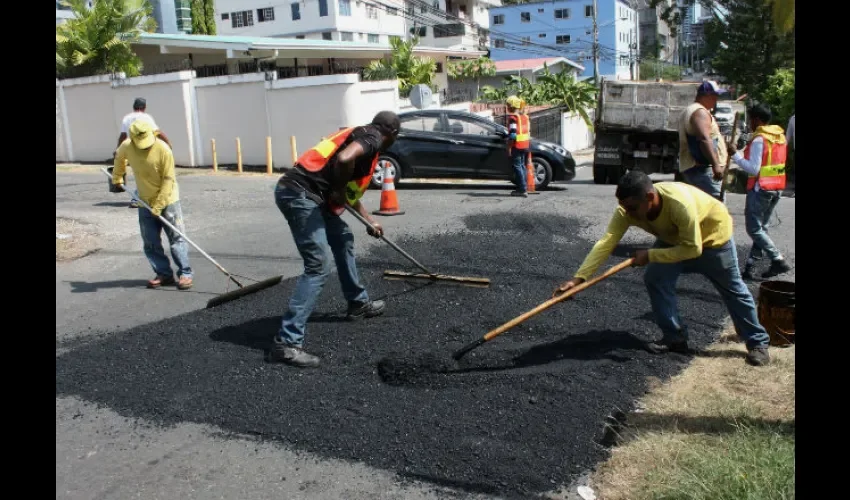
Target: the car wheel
(542, 173)
(385, 162)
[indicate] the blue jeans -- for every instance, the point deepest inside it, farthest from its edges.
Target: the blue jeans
(759, 208)
(720, 266)
(703, 178)
(518, 159)
(317, 234)
(151, 228)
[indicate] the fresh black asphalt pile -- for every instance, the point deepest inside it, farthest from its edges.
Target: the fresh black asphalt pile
(521, 414)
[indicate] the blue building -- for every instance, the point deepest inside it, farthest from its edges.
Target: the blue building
(564, 28)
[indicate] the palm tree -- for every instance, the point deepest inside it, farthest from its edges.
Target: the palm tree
(563, 89)
(97, 39)
(409, 69)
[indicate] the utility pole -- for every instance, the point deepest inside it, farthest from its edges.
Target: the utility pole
(595, 47)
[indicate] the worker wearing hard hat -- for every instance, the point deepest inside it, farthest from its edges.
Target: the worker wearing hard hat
(519, 141)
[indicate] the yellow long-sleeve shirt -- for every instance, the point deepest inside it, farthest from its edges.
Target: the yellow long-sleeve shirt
(154, 172)
(690, 220)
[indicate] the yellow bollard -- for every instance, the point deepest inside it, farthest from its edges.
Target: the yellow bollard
(238, 155)
(268, 154)
(214, 157)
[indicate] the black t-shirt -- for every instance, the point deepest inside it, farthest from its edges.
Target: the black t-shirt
(317, 185)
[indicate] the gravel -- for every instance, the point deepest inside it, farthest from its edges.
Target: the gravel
(520, 415)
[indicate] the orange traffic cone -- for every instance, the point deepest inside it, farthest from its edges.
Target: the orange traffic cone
(389, 201)
(529, 176)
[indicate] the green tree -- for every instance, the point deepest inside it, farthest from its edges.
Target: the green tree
(563, 89)
(199, 17)
(209, 13)
(780, 95)
(97, 40)
(472, 69)
(403, 65)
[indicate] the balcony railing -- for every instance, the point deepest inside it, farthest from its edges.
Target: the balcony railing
(447, 30)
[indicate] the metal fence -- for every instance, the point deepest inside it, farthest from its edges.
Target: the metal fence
(545, 124)
(248, 67)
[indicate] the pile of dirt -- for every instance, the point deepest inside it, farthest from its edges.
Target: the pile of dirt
(74, 239)
(521, 414)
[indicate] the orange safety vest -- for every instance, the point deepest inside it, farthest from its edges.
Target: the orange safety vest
(771, 176)
(523, 131)
(316, 158)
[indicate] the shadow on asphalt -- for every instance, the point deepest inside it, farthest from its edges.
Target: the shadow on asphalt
(94, 286)
(112, 204)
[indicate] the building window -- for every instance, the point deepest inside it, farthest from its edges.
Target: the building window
(344, 7)
(392, 11)
(373, 38)
(420, 31)
(323, 8)
(624, 60)
(526, 40)
(525, 17)
(562, 13)
(539, 11)
(242, 19)
(409, 8)
(326, 35)
(588, 11)
(499, 43)
(500, 19)
(296, 11)
(439, 68)
(346, 36)
(225, 17)
(562, 39)
(371, 12)
(541, 35)
(265, 15)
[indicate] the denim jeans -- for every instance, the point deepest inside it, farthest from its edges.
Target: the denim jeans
(518, 159)
(703, 178)
(720, 266)
(759, 208)
(317, 234)
(152, 228)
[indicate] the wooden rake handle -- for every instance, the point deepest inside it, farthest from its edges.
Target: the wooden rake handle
(542, 307)
(732, 140)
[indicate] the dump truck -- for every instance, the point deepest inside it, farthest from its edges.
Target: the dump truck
(637, 127)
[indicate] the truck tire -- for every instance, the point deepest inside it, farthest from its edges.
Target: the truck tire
(600, 174)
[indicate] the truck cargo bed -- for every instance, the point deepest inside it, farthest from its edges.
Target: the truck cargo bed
(643, 106)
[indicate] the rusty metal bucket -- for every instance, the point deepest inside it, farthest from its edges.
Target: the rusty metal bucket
(776, 311)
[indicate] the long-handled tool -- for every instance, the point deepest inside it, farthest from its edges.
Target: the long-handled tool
(225, 297)
(542, 307)
(729, 157)
(476, 282)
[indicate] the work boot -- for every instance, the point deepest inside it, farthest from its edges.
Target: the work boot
(292, 355)
(184, 283)
(777, 267)
(521, 194)
(748, 273)
(665, 346)
(365, 310)
(758, 356)
(161, 281)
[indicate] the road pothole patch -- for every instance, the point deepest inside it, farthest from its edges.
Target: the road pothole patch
(75, 239)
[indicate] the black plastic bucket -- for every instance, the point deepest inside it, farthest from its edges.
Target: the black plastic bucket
(777, 312)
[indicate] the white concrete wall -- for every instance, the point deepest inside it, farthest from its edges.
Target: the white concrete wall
(192, 111)
(575, 134)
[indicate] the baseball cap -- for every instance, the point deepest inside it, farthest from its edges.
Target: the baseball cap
(139, 103)
(387, 122)
(141, 132)
(710, 87)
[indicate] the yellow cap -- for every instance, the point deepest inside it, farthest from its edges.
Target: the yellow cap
(141, 132)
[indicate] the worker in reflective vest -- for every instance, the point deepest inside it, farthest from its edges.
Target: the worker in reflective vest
(519, 141)
(764, 160)
(312, 196)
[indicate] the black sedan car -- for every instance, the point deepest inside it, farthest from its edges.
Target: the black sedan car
(443, 143)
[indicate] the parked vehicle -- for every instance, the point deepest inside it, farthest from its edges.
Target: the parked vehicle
(637, 127)
(444, 143)
(725, 115)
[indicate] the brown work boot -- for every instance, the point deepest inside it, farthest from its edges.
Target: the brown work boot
(758, 356)
(161, 281)
(184, 283)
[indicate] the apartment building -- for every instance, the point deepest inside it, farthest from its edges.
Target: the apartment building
(454, 24)
(171, 16)
(564, 28)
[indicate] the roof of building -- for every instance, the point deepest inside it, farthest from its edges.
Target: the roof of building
(534, 65)
(296, 47)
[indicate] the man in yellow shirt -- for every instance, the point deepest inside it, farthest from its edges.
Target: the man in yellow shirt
(694, 235)
(153, 166)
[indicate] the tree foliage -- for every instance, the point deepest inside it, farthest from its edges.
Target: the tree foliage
(209, 12)
(780, 95)
(97, 40)
(203, 17)
(472, 69)
(403, 65)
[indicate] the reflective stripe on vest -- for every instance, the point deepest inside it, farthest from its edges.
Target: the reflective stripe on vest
(523, 131)
(771, 176)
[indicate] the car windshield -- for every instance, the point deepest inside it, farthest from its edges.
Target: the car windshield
(724, 109)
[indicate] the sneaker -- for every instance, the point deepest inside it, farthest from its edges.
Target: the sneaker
(161, 281)
(748, 274)
(133, 204)
(777, 267)
(663, 347)
(758, 356)
(367, 310)
(292, 355)
(521, 194)
(184, 283)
